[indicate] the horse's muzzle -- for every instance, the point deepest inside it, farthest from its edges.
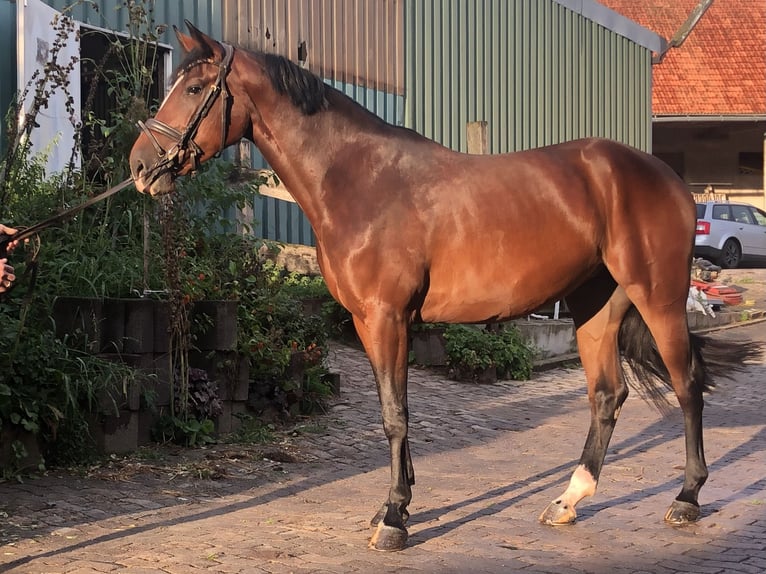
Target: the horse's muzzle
(148, 179)
(161, 185)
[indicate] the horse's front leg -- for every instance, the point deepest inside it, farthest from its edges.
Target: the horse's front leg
(384, 336)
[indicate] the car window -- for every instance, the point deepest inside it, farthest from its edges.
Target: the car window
(721, 211)
(759, 216)
(701, 210)
(741, 214)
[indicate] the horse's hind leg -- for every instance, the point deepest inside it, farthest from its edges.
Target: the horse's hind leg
(660, 298)
(598, 325)
(670, 330)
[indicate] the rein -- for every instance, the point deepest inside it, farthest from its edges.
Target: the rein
(184, 142)
(5, 239)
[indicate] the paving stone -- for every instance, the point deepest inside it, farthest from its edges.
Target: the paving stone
(488, 459)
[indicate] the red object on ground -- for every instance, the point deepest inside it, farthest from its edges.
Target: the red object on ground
(728, 294)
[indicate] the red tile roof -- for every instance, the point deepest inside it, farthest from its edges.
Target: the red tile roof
(721, 67)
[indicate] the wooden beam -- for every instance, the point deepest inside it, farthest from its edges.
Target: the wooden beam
(476, 137)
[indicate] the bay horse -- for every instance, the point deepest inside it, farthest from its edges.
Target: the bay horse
(408, 231)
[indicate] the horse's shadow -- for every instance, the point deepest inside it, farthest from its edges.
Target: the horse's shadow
(492, 501)
(521, 490)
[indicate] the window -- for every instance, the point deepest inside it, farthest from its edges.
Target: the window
(722, 212)
(750, 163)
(91, 51)
(759, 216)
(741, 214)
(102, 61)
(675, 160)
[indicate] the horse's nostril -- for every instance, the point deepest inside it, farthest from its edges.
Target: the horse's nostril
(138, 169)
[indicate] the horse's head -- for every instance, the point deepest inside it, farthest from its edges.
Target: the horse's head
(196, 120)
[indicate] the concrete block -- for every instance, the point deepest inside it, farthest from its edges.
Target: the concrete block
(232, 375)
(219, 325)
(139, 326)
(551, 337)
(113, 329)
(81, 315)
(428, 346)
(161, 326)
(228, 421)
(118, 434)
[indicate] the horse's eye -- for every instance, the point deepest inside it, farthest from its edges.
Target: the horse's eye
(193, 90)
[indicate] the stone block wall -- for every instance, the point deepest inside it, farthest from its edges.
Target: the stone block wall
(135, 331)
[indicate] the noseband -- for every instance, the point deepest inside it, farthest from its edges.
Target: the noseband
(184, 144)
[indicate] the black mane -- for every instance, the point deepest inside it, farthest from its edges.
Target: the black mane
(306, 90)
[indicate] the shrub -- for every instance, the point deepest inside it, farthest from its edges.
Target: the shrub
(48, 388)
(471, 350)
(183, 248)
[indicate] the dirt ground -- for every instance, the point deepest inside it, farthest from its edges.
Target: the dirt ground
(751, 282)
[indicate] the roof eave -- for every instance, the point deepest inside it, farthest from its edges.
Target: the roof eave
(617, 23)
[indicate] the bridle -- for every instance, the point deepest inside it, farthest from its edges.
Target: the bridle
(184, 145)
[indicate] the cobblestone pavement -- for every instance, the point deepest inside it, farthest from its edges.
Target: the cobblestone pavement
(488, 459)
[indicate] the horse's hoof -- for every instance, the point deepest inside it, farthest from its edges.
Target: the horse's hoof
(380, 515)
(681, 513)
(558, 513)
(388, 538)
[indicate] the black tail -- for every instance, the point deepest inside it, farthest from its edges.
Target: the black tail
(648, 375)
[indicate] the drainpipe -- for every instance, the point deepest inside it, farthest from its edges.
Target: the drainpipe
(683, 32)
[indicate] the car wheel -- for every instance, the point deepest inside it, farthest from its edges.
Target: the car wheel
(731, 254)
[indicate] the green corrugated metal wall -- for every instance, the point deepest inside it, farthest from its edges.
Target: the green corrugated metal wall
(537, 71)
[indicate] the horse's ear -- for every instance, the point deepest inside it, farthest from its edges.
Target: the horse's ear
(202, 39)
(187, 42)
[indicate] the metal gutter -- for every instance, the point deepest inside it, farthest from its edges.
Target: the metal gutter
(706, 118)
(617, 23)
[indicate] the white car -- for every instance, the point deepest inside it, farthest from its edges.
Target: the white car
(730, 233)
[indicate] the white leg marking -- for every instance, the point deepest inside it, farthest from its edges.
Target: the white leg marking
(581, 484)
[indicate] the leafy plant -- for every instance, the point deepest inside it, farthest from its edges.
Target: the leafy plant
(467, 348)
(185, 248)
(306, 286)
(471, 350)
(251, 430)
(204, 402)
(47, 388)
(187, 432)
(514, 354)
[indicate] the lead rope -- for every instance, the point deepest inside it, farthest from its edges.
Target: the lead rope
(28, 232)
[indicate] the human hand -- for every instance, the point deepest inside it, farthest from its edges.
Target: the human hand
(7, 275)
(4, 229)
